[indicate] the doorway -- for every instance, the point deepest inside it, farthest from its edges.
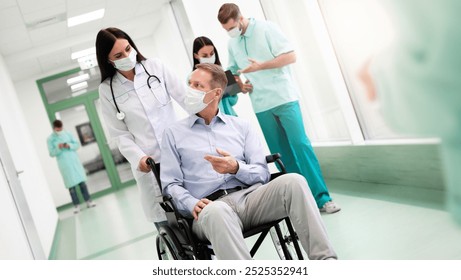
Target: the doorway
(73, 98)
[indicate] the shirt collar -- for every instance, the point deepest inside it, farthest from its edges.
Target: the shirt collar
(137, 71)
(195, 119)
(250, 28)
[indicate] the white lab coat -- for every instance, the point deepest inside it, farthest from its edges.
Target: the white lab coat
(140, 133)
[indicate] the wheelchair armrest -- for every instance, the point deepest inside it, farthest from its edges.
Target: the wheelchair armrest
(272, 158)
(275, 158)
(163, 198)
(168, 205)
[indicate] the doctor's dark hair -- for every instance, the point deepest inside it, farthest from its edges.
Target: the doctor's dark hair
(218, 76)
(105, 41)
(227, 12)
(199, 43)
(57, 124)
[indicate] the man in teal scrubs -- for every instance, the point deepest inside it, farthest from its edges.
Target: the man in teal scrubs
(418, 80)
(260, 51)
(63, 145)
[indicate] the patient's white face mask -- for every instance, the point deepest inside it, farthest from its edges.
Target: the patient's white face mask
(194, 100)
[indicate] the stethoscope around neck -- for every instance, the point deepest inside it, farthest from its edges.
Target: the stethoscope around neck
(121, 115)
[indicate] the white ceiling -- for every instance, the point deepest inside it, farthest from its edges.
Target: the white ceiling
(35, 39)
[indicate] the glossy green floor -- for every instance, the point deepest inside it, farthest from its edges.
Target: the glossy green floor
(377, 222)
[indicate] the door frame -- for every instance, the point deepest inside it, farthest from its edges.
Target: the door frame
(88, 100)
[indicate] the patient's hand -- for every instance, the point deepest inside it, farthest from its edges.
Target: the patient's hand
(223, 164)
(199, 207)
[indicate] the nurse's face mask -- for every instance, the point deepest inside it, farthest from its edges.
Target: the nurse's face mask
(211, 59)
(126, 63)
(236, 31)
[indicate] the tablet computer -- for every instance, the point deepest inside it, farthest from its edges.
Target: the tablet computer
(232, 87)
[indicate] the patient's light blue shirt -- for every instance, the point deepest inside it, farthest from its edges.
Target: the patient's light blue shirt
(188, 177)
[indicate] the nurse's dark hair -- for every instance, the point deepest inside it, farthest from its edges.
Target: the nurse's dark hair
(199, 43)
(57, 124)
(218, 76)
(227, 12)
(105, 41)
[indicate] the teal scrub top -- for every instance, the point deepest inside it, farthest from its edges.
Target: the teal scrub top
(69, 164)
(263, 41)
(226, 104)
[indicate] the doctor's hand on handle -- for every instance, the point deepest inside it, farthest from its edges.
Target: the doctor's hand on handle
(143, 166)
(223, 164)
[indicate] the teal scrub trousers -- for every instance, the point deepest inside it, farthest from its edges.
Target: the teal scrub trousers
(283, 129)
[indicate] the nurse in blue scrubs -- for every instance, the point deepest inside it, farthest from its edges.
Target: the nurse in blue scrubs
(261, 51)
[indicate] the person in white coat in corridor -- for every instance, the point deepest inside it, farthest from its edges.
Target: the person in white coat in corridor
(136, 102)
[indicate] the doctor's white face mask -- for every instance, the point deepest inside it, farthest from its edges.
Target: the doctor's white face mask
(194, 100)
(126, 63)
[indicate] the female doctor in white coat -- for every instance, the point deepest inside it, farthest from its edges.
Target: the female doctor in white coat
(135, 95)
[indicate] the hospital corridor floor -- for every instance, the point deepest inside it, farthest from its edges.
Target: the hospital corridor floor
(377, 222)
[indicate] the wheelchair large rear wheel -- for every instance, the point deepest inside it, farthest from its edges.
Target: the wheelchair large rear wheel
(288, 239)
(166, 249)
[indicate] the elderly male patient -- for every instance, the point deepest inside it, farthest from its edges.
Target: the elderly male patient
(209, 152)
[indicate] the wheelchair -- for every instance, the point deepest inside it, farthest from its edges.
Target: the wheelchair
(176, 240)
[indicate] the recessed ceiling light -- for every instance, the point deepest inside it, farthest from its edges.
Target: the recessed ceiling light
(85, 18)
(79, 86)
(78, 79)
(83, 53)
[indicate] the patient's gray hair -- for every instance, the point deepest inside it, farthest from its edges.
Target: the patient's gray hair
(218, 76)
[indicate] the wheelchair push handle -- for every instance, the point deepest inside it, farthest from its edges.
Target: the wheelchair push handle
(155, 167)
(150, 161)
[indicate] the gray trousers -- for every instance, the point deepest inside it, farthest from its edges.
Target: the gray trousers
(223, 221)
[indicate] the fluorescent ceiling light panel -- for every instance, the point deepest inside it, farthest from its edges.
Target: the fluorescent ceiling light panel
(83, 53)
(73, 21)
(79, 86)
(78, 79)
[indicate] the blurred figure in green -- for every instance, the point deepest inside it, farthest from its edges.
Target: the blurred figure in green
(418, 81)
(63, 145)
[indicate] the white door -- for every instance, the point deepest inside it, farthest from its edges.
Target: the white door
(19, 237)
